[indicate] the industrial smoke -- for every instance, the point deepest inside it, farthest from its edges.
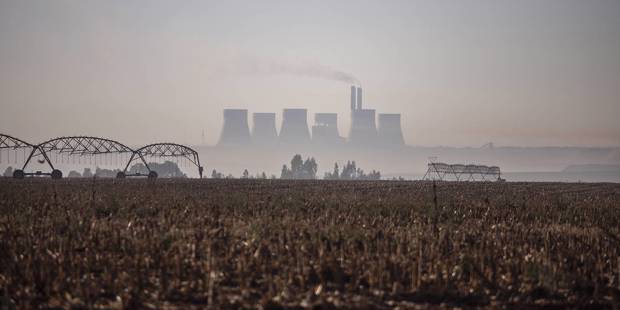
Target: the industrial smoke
(307, 69)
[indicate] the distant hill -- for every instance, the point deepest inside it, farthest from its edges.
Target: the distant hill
(592, 168)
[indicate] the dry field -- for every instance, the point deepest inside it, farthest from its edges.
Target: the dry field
(307, 244)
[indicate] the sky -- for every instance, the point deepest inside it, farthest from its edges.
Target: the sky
(461, 73)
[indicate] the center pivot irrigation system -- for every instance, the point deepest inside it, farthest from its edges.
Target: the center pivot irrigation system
(458, 172)
(95, 148)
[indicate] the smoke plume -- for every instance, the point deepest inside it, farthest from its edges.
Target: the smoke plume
(307, 70)
(254, 66)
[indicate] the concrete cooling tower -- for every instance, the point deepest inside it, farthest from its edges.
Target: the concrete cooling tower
(390, 132)
(325, 129)
(294, 127)
(235, 130)
(363, 128)
(264, 129)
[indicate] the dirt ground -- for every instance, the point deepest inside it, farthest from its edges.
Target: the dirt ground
(102, 243)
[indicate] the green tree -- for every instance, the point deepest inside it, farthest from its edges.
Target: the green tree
(285, 173)
(8, 172)
(296, 166)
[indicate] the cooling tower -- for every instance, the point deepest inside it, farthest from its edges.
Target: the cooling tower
(359, 98)
(264, 129)
(363, 128)
(294, 127)
(390, 132)
(325, 129)
(235, 130)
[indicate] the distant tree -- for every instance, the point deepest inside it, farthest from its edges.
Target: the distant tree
(300, 169)
(263, 175)
(216, 175)
(246, 174)
(296, 165)
(106, 173)
(351, 172)
(8, 172)
(334, 175)
(336, 172)
(285, 173)
(167, 169)
(87, 173)
(74, 174)
(309, 169)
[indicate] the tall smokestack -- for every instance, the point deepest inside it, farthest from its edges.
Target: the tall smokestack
(359, 98)
(235, 130)
(353, 101)
(295, 127)
(264, 129)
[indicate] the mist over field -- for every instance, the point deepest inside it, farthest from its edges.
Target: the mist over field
(290, 154)
(520, 164)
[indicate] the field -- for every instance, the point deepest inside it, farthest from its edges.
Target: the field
(304, 244)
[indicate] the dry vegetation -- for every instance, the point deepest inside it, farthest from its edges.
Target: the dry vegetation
(271, 244)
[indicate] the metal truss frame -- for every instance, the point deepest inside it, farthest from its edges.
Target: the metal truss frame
(90, 146)
(10, 142)
(470, 172)
(76, 145)
(167, 149)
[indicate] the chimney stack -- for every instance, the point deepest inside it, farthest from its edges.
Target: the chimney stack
(353, 100)
(359, 98)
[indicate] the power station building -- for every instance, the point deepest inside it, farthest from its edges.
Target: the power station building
(264, 129)
(235, 130)
(325, 129)
(294, 128)
(390, 132)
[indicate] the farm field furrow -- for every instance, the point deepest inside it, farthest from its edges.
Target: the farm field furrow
(106, 243)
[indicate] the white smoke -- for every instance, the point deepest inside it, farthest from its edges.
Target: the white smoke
(254, 66)
(307, 70)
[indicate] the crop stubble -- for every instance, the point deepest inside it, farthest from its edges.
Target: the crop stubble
(270, 243)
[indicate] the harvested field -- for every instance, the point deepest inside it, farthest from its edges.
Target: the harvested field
(303, 244)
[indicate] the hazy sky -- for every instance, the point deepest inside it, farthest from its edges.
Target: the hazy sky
(460, 72)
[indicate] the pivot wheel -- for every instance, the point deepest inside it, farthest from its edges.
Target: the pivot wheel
(152, 175)
(120, 175)
(56, 174)
(18, 174)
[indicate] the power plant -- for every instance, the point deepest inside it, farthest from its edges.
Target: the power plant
(325, 129)
(390, 132)
(264, 129)
(294, 128)
(235, 130)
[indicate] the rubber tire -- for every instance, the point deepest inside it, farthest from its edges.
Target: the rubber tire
(152, 175)
(18, 174)
(120, 175)
(56, 174)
